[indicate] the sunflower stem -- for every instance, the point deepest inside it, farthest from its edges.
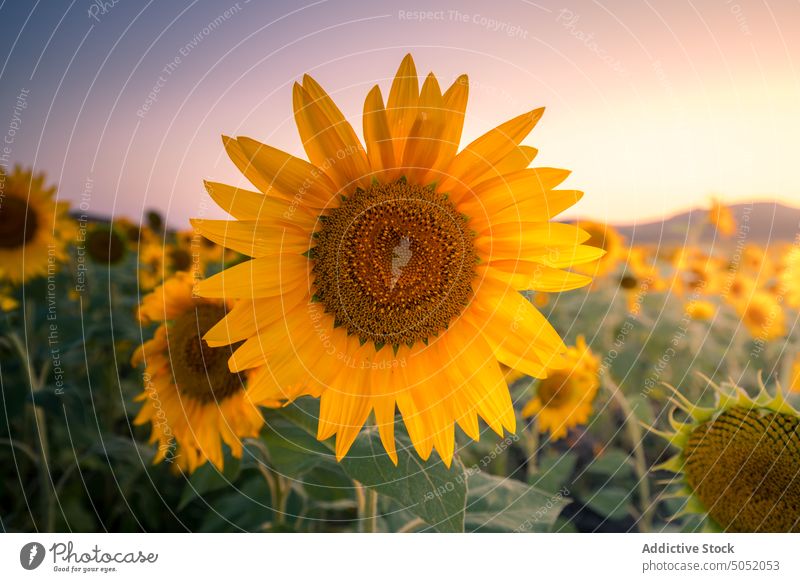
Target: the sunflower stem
(532, 444)
(36, 382)
(636, 438)
(278, 485)
(367, 499)
(412, 525)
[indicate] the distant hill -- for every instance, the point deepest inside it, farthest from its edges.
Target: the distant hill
(759, 222)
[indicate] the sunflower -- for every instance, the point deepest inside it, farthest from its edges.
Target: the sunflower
(640, 277)
(159, 261)
(193, 401)
(388, 277)
(701, 309)
(7, 300)
(739, 461)
(607, 238)
(105, 245)
(763, 316)
(794, 375)
(755, 259)
(789, 276)
(721, 217)
(204, 252)
(179, 257)
(136, 234)
(34, 227)
(737, 288)
(151, 264)
(564, 399)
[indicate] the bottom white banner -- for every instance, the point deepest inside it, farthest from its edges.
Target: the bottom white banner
(388, 557)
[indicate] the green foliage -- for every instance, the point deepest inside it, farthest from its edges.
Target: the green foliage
(506, 505)
(78, 338)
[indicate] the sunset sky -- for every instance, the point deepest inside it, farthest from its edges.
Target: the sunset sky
(654, 106)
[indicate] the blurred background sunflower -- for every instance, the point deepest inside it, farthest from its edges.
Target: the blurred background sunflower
(34, 226)
(193, 403)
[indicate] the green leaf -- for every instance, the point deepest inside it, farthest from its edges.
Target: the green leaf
(610, 502)
(611, 463)
(498, 504)
(293, 449)
(428, 489)
(554, 471)
(207, 478)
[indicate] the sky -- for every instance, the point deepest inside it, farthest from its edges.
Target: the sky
(654, 106)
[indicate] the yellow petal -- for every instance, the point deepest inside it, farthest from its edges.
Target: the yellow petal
(249, 205)
(249, 316)
(401, 107)
(425, 137)
(528, 240)
(486, 151)
(242, 162)
(527, 276)
(517, 159)
(262, 277)
(253, 238)
(455, 106)
(287, 176)
(334, 150)
(378, 137)
(498, 193)
(520, 336)
(384, 408)
(483, 385)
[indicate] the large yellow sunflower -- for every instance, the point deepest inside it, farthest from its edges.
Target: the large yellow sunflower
(564, 399)
(34, 227)
(738, 462)
(193, 401)
(387, 277)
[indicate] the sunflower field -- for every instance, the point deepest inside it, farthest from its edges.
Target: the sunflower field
(397, 334)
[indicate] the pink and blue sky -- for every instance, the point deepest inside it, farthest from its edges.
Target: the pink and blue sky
(654, 106)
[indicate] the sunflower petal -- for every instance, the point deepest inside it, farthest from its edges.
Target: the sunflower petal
(334, 150)
(287, 176)
(486, 151)
(425, 136)
(455, 106)
(253, 238)
(526, 276)
(377, 135)
(248, 205)
(401, 108)
(262, 277)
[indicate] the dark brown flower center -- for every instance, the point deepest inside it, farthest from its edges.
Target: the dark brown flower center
(555, 390)
(105, 246)
(629, 282)
(394, 264)
(597, 237)
(201, 372)
(18, 223)
(745, 468)
(180, 259)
